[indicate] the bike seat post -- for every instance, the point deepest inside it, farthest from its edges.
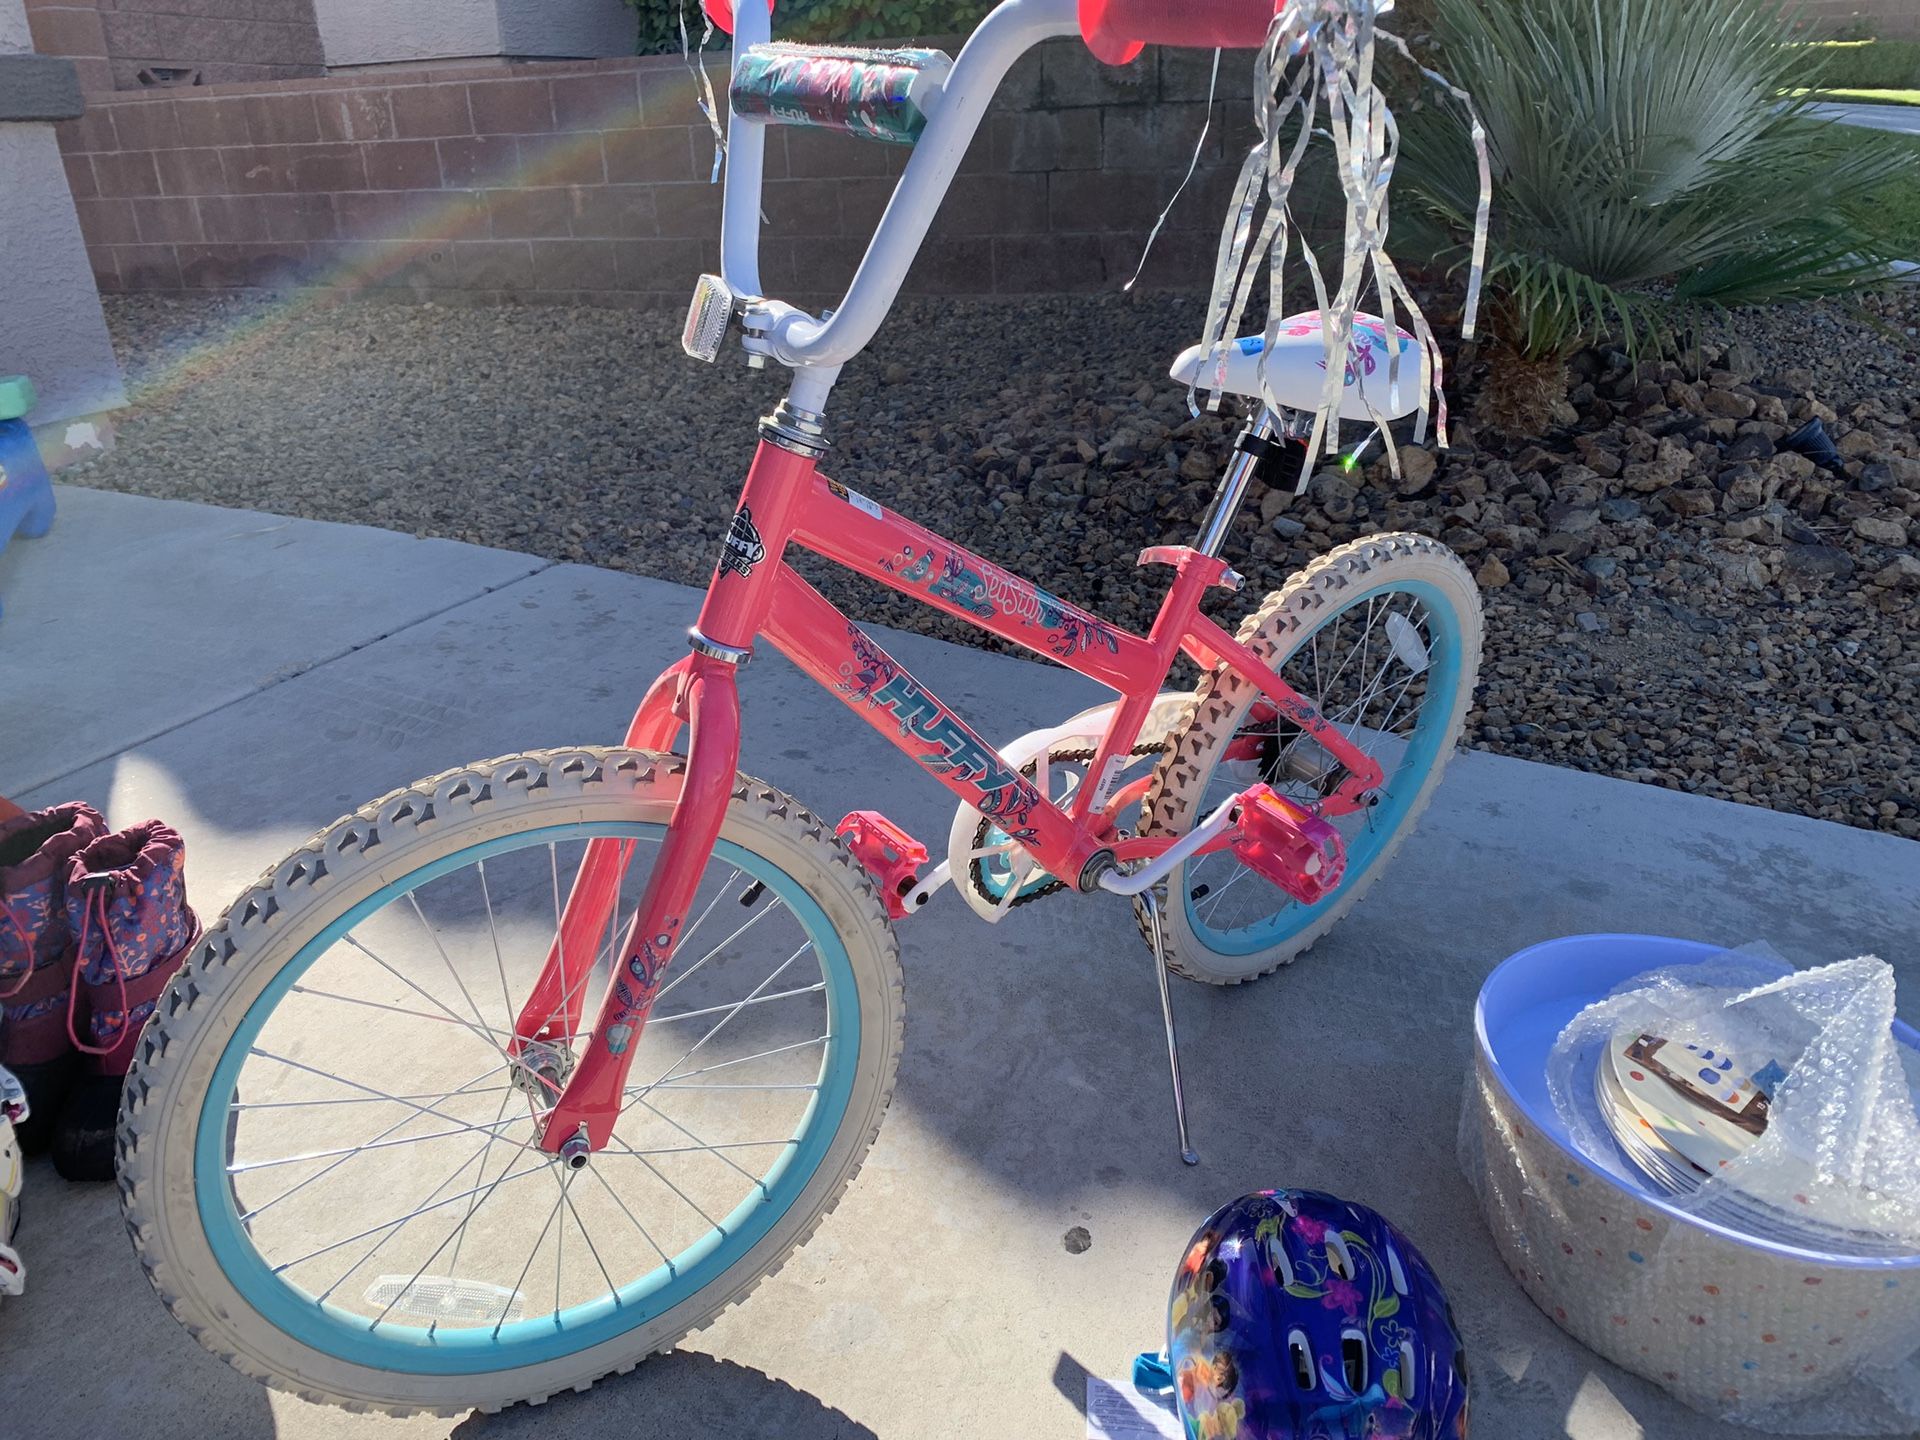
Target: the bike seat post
(1254, 445)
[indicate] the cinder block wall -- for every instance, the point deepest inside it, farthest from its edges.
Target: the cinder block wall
(587, 182)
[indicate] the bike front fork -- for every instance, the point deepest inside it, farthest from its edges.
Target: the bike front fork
(699, 692)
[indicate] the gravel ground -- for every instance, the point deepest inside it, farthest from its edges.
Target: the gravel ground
(1668, 599)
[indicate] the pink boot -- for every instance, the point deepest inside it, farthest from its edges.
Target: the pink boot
(132, 929)
(36, 955)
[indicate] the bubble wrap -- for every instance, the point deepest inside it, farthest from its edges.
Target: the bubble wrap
(1819, 1335)
(1840, 1154)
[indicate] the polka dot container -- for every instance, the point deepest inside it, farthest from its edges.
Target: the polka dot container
(1735, 1326)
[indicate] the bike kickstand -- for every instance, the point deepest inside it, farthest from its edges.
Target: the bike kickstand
(1166, 1014)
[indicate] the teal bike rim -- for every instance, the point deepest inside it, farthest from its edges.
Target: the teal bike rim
(480, 1350)
(1425, 750)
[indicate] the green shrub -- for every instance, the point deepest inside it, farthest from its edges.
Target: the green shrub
(845, 21)
(1644, 167)
(1860, 65)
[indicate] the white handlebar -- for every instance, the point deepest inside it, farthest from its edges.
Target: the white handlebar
(794, 338)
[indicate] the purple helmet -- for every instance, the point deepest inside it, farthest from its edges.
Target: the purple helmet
(1296, 1316)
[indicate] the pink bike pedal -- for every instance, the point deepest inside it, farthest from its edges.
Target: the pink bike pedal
(888, 853)
(1288, 844)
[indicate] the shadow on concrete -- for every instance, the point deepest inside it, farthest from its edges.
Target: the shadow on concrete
(684, 1393)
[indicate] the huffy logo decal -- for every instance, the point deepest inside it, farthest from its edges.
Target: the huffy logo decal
(742, 549)
(958, 751)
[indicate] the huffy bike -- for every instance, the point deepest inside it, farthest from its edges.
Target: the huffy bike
(515, 1076)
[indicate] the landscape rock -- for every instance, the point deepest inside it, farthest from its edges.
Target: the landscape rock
(1901, 573)
(1880, 531)
(1747, 635)
(1417, 467)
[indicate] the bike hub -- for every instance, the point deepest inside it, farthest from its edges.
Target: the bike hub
(541, 1069)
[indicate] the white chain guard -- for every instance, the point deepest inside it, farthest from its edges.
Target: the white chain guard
(1080, 732)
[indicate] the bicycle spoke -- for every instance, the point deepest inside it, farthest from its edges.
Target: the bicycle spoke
(691, 1205)
(493, 930)
(613, 1290)
(813, 989)
(636, 1090)
(415, 1213)
(413, 899)
(249, 1216)
(388, 1238)
(531, 1254)
(250, 1166)
(453, 1265)
(755, 919)
(373, 1099)
(366, 1089)
(432, 1000)
(614, 1195)
(716, 1150)
(392, 1009)
(732, 1011)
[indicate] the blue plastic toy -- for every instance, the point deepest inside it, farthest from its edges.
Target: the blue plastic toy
(26, 492)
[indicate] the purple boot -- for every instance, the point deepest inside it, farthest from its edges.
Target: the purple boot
(132, 928)
(36, 955)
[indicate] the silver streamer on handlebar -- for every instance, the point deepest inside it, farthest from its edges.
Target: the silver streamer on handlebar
(1322, 52)
(698, 69)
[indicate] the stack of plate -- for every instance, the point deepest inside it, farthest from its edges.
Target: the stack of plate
(1683, 1111)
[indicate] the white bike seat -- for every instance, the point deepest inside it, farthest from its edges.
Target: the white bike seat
(1297, 368)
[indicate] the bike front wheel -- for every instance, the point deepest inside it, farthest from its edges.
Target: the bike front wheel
(328, 1150)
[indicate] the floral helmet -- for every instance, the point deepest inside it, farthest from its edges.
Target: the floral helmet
(1296, 1316)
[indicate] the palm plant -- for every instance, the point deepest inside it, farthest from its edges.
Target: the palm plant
(1646, 166)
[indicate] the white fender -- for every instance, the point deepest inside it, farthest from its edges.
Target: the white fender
(1079, 732)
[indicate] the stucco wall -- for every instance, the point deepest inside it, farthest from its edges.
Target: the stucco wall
(579, 29)
(221, 41)
(15, 37)
(386, 32)
(51, 328)
(393, 32)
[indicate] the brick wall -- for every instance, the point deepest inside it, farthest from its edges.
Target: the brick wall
(223, 41)
(586, 182)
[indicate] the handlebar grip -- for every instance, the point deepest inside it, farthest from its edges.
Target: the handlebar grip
(1118, 30)
(876, 94)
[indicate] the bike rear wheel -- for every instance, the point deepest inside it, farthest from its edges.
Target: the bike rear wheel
(328, 1152)
(1383, 635)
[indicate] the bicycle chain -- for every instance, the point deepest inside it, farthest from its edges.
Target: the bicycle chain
(974, 873)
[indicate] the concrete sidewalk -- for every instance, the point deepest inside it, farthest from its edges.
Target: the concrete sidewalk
(1899, 119)
(248, 678)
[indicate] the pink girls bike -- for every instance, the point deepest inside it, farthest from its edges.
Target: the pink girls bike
(515, 1076)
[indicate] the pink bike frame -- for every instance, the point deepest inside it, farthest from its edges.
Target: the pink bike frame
(755, 593)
